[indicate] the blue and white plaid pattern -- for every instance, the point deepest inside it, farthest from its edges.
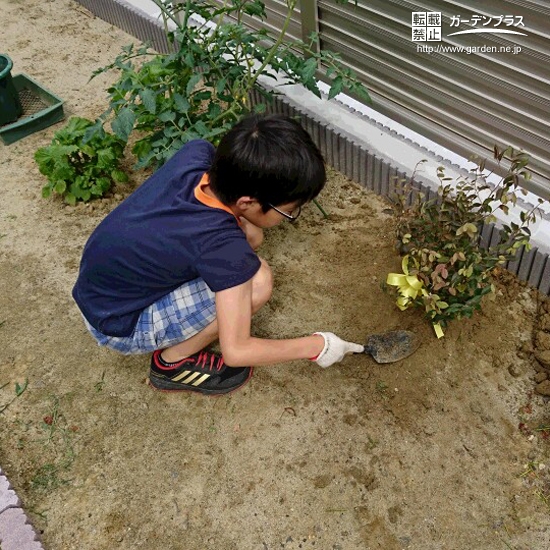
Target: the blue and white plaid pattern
(171, 320)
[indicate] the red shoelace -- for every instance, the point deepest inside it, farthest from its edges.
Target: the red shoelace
(210, 360)
(204, 360)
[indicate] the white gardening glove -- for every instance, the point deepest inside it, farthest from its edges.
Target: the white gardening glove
(335, 349)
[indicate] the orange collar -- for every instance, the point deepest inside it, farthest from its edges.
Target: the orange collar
(202, 197)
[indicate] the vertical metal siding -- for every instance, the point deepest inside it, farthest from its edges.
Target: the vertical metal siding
(465, 102)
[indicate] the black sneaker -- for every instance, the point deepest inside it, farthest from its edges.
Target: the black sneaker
(203, 372)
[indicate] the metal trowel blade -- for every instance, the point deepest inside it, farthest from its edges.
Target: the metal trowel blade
(392, 346)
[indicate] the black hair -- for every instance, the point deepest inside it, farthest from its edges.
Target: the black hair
(270, 158)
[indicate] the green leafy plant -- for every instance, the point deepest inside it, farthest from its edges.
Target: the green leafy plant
(82, 162)
(447, 269)
(202, 87)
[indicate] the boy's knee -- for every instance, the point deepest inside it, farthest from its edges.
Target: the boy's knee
(262, 285)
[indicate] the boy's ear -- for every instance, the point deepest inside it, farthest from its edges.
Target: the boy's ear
(244, 203)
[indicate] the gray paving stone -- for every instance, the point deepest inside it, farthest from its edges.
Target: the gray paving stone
(8, 498)
(16, 533)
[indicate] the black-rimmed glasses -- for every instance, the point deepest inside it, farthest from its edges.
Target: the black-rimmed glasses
(292, 217)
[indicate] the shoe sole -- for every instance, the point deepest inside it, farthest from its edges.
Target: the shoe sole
(160, 384)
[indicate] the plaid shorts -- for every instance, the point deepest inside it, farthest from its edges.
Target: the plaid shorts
(171, 320)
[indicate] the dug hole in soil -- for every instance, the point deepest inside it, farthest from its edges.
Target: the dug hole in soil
(444, 450)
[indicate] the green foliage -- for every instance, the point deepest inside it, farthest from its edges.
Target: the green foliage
(201, 89)
(58, 449)
(440, 238)
(20, 388)
(19, 391)
(82, 162)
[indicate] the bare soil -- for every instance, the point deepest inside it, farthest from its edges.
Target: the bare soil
(444, 450)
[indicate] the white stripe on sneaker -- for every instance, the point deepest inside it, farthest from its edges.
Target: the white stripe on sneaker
(181, 375)
(201, 380)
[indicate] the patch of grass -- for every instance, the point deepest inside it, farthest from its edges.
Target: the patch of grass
(101, 383)
(508, 536)
(544, 497)
(42, 515)
(58, 437)
(535, 477)
(507, 544)
(382, 389)
(530, 470)
(373, 443)
(48, 477)
(55, 425)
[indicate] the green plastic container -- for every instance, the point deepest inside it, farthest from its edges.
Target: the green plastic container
(41, 108)
(10, 105)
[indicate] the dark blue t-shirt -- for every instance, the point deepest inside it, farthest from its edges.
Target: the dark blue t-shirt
(160, 237)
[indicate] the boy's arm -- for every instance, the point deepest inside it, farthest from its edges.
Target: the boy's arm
(254, 234)
(239, 348)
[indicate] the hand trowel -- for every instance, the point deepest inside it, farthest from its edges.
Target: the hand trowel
(391, 346)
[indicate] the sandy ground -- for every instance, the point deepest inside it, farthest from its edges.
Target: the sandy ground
(441, 451)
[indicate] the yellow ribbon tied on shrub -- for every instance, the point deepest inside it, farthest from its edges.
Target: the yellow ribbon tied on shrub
(408, 287)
